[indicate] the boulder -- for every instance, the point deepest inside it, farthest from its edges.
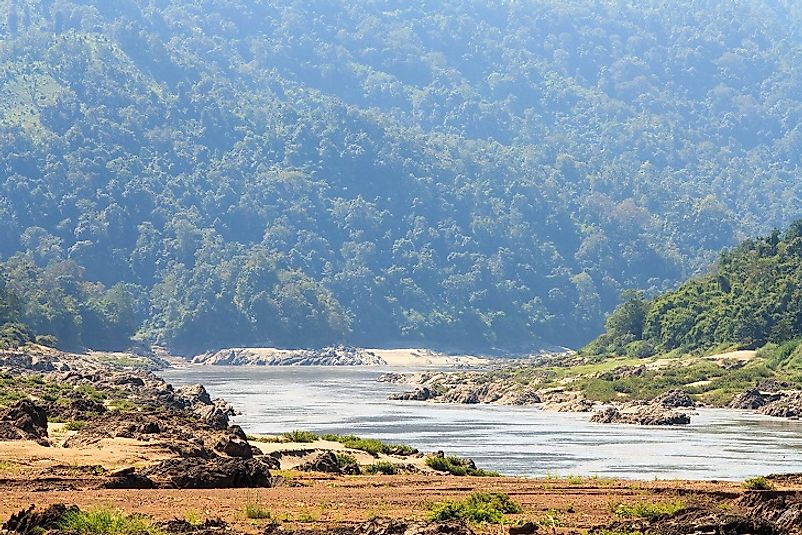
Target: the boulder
(386, 526)
(234, 446)
(697, 521)
(30, 521)
(218, 473)
(674, 399)
(525, 529)
(23, 420)
(641, 414)
(786, 405)
(751, 399)
(325, 462)
(423, 393)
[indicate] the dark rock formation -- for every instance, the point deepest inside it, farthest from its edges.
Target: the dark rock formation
(697, 521)
(234, 446)
(23, 420)
(32, 522)
(325, 462)
(525, 529)
(786, 405)
(386, 526)
(197, 473)
(675, 399)
(423, 393)
(648, 414)
(782, 508)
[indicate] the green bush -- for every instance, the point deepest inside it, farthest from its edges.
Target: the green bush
(74, 425)
(382, 467)
(300, 436)
(758, 483)
(647, 509)
(254, 510)
(372, 446)
(345, 459)
(479, 507)
(457, 467)
(106, 521)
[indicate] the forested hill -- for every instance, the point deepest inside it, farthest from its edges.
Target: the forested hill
(753, 297)
(455, 173)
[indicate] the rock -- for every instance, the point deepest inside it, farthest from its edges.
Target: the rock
(23, 420)
(197, 473)
(328, 356)
(423, 393)
(648, 414)
(128, 480)
(386, 526)
(193, 395)
(215, 415)
(786, 405)
(526, 397)
(751, 399)
(234, 447)
(782, 508)
(326, 462)
(674, 399)
(30, 522)
(207, 527)
(697, 521)
(525, 529)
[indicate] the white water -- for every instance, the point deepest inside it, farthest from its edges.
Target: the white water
(718, 444)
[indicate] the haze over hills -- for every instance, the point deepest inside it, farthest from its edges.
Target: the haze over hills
(467, 174)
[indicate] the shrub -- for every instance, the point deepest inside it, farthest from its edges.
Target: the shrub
(345, 459)
(382, 467)
(647, 509)
(479, 507)
(457, 467)
(107, 522)
(758, 483)
(372, 446)
(255, 511)
(300, 436)
(74, 425)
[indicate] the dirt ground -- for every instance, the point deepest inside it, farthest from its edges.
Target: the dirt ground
(569, 505)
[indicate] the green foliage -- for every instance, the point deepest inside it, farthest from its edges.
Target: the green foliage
(372, 446)
(382, 467)
(346, 459)
(751, 299)
(479, 507)
(457, 466)
(758, 483)
(256, 511)
(75, 425)
(106, 521)
(647, 509)
(482, 174)
(300, 436)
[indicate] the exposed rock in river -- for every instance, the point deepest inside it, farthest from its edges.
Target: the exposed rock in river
(329, 356)
(641, 414)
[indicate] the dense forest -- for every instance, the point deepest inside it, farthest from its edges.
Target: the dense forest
(455, 173)
(753, 297)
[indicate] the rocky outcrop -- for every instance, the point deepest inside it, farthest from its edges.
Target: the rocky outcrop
(752, 399)
(386, 526)
(782, 508)
(675, 399)
(23, 420)
(784, 405)
(697, 521)
(326, 462)
(328, 356)
(217, 473)
(30, 521)
(423, 393)
(641, 414)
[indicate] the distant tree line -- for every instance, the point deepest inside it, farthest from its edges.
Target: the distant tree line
(460, 174)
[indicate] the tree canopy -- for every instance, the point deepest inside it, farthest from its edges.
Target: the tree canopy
(456, 173)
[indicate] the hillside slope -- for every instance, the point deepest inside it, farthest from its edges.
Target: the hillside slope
(466, 174)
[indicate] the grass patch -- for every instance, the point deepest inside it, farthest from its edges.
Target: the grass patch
(478, 508)
(372, 446)
(107, 521)
(758, 483)
(382, 467)
(75, 425)
(300, 436)
(647, 509)
(255, 511)
(457, 467)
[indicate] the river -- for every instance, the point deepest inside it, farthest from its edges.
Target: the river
(718, 444)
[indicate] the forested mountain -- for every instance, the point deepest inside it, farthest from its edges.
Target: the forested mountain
(463, 173)
(753, 297)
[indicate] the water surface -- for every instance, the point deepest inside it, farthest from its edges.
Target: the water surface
(719, 444)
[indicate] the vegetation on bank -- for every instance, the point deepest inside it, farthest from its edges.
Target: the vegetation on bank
(751, 298)
(457, 466)
(372, 446)
(479, 507)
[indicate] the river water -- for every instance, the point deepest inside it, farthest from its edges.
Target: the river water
(718, 444)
